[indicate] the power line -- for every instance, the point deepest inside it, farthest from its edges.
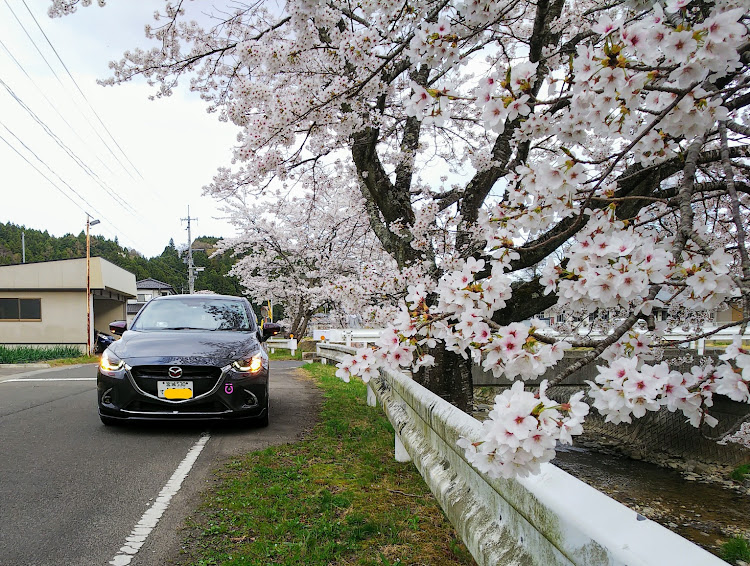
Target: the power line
(50, 169)
(106, 129)
(90, 172)
(104, 142)
(78, 162)
(52, 105)
(124, 204)
(81, 197)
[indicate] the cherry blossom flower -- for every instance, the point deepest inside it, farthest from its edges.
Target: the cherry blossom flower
(442, 171)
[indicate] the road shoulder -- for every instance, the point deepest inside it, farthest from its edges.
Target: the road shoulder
(295, 406)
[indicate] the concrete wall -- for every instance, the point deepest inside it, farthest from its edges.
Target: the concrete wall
(106, 275)
(106, 311)
(63, 319)
(547, 520)
(67, 274)
(61, 285)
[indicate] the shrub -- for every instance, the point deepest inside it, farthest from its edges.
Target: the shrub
(26, 354)
(740, 473)
(735, 549)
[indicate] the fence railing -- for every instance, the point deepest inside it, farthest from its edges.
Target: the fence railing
(348, 335)
(370, 335)
(287, 343)
(549, 519)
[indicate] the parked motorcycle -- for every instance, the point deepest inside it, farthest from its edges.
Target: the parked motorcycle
(102, 341)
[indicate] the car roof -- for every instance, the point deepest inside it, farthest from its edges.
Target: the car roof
(198, 297)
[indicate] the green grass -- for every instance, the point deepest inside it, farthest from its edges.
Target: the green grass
(740, 473)
(284, 354)
(735, 549)
(337, 497)
(27, 354)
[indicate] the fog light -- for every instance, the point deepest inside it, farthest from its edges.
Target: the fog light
(251, 400)
(106, 397)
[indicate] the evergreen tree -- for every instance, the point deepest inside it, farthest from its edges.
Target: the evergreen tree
(168, 267)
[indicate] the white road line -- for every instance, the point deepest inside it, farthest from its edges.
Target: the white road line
(50, 379)
(150, 518)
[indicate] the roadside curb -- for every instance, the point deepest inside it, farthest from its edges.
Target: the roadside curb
(24, 366)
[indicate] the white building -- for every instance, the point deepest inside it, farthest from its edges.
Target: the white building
(44, 303)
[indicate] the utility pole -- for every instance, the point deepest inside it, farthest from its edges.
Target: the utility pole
(89, 223)
(191, 266)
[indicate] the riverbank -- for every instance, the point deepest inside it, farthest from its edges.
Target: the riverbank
(697, 500)
(701, 507)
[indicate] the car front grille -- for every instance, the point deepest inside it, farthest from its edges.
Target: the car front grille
(204, 378)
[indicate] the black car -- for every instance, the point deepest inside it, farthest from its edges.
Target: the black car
(189, 357)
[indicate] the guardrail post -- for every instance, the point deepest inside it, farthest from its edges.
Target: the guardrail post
(372, 400)
(551, 518)
(400, 452)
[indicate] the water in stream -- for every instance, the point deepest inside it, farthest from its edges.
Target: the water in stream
(707, 514)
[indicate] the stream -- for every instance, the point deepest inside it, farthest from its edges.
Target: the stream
(705, 513)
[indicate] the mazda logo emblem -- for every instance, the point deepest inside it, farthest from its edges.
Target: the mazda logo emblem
(175, 372)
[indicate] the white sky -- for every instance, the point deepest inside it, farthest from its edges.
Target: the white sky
(174, 144)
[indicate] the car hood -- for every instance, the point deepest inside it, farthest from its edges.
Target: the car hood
(184, 347)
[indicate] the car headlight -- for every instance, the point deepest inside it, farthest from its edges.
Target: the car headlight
(110, 362)
(252, 364)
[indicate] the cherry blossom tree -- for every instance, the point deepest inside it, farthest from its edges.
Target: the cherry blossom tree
(511, 156)
(305, 251)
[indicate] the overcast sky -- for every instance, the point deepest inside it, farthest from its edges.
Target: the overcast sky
(58, 162)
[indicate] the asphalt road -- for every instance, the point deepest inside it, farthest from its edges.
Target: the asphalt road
(72, 490)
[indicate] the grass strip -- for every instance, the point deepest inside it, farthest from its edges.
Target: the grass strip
(74, 361)
(27, 354)
(337, 497)
(284, 354)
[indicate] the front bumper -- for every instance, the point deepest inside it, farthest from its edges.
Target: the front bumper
(220, 394)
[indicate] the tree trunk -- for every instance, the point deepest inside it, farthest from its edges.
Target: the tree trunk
(450, 378)
(303, 324)
(297, 322)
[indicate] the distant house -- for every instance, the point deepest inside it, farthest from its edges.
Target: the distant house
(147, 289)
(44, 303)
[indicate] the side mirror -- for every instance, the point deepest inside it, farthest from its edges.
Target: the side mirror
(270, 329)
(118, 327)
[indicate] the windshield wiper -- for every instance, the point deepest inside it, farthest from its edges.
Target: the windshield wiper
(184, 328)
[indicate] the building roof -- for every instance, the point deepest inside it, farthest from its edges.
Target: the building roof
(134, 308)
(152, 283)
(66, 275)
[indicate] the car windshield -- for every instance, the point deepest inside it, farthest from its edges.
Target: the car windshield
(194, 314)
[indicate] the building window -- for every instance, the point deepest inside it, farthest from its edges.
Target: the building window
(20, 309)
(144, 297)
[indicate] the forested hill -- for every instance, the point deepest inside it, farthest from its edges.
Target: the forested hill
(168, 267)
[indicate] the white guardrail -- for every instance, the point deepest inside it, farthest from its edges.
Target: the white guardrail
(348, 335)
(370, 335)
(549, 519)
(288, 343)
